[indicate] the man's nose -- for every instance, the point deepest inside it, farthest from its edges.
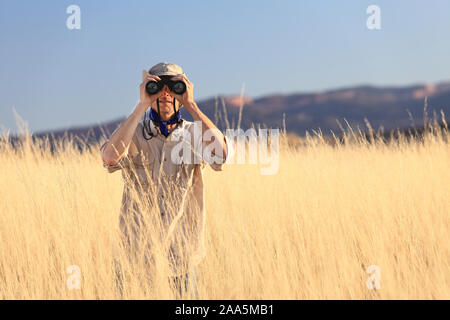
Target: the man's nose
(166, 90)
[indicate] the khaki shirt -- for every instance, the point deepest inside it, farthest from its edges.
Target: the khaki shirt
(174, 190)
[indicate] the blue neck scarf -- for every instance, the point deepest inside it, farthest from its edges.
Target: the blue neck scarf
(163, 124)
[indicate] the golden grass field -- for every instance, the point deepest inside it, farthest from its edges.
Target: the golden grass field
(308, 232)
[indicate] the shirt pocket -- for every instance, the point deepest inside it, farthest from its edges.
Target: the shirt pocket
(182, 174)
(144, 165)
(144, 159)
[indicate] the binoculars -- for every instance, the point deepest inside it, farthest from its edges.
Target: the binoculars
(178, 87)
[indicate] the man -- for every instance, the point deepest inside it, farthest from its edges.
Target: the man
(143, 148)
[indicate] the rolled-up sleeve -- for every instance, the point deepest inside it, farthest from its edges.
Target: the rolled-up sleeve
(126, 160)
(123, 163)
(221, 159)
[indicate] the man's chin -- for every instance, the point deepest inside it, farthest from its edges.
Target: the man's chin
(165, 106)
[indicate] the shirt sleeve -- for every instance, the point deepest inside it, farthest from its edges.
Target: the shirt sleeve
(126, 160)
(221, 159)
(123, 163)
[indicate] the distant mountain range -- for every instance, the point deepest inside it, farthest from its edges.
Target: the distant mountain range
(382, 106)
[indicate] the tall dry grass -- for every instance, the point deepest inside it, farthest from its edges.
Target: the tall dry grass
(308, 232)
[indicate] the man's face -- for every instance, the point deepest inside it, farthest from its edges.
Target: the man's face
(165, 102)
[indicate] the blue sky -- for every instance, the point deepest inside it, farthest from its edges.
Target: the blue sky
(57, 78)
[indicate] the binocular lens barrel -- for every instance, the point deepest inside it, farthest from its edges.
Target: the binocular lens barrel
(152, 87)
(179, 87)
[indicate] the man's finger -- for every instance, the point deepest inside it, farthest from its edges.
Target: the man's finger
(181, 77)
(153, 79)
(185, 78)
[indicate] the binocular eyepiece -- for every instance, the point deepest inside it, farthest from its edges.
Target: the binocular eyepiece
(178, 87)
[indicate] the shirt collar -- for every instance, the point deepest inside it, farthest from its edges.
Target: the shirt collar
(174, 135)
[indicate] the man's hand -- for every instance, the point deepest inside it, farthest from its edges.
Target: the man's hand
(187, 98)
(145, 98)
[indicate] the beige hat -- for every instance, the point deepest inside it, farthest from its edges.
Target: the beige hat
(166, 69)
